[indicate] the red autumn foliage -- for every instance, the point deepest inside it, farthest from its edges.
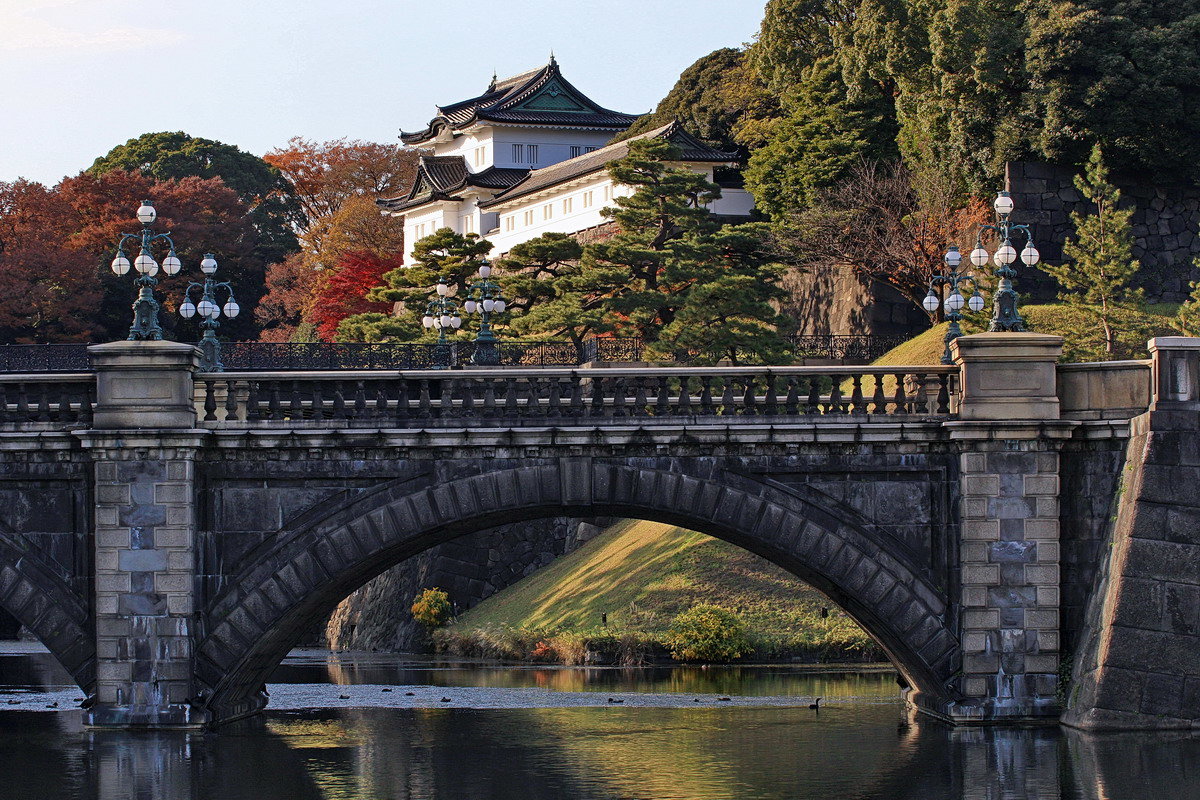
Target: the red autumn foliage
(49, 291)
(341, 291)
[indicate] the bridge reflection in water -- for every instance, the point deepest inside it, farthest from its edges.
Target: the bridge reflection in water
(862, 752)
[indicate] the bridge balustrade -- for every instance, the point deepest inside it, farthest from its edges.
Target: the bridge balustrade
(482, 397)
(44, 401)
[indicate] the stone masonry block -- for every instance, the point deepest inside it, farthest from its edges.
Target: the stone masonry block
(981, 574)
(975, 508)
(1041, 529)
(974, 596)
(1041, 484)
(976, 663)
(975, 687)
(1048, 552)
(1012, 552)
(114, 582)
(1042, 574)
(981, 529)
(986, 485)
(974, 552)
(974, 463)
(1011, 507)
(107, 516)
(1041, 618)
(987, 620)
(168, 493)
(1048, 640)
(975, 642)
(180, 560)
(1048, 596)
(142, 560)
(172, 582)
(1047, 507)
(180, 604)
(168, 538)
(112, 495)
(1042, 662)
(114, 670)
(179, 470)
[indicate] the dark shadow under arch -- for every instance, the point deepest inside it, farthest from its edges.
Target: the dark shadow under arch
(308, 569)
(38, 593)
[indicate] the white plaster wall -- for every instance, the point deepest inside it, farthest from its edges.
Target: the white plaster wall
(553, 145)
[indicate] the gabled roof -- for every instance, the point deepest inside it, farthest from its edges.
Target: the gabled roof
(439, 177)
(690, 149)
(538, 97)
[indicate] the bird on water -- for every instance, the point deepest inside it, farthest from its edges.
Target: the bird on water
(816, 706)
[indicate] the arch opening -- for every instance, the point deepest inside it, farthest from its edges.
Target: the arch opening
(305, 572)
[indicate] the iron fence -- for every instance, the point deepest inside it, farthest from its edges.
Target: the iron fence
(325, 356)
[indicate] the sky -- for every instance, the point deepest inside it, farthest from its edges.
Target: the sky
(78, 77)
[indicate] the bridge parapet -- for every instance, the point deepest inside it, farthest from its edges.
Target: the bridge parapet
(508, 397)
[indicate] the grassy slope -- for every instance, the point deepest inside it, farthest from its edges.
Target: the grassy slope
(927, 347)
(641, 574)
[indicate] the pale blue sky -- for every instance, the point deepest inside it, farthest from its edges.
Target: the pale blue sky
(78, 77)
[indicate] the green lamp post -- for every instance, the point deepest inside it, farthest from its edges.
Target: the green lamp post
(145, 307)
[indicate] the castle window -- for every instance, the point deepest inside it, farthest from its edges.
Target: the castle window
(518, 154)
(587, 199)
(607, 193)
(533, 148)
(567, 203)
(528, 217)
(510, 222)
(589, 149)
(548, 211)
(480, 156)
(576, 151)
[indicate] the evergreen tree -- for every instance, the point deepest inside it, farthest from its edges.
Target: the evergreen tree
(442, 254)
(830, 129)
(1099, 264)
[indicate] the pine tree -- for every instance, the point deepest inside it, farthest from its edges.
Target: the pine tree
(1099, 261)
(442, 254)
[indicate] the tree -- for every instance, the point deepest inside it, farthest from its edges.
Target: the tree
(336, 184)
(175, 155)
(543, 275)
(705, 100)
(1096, 69)
(829, 129)
(49, 291)
(203, 215)
(888, 224)
(442, 254)
(342, 290)
(1098, 262)
(431, 608)
(324, 175)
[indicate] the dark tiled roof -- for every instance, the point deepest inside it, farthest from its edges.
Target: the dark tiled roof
(690, 149)
(538, 97)
(440, 176)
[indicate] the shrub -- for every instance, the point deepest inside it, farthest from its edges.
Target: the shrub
(707, 633)
(431, 608)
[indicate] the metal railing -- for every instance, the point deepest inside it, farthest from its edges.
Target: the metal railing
(563, 397)
(64, 400)
(318, 356)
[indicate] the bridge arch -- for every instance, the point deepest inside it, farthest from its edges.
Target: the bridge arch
(307, 569)
(38, 593)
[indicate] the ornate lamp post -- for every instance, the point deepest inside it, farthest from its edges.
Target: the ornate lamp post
(145, 307)
(441, 315)
(485, 298)
(1005, 316)
(209, 310)
(954, 301)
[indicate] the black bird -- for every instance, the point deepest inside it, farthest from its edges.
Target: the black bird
(614, 700)
(52, 705)
(722, 699)
(410, 694)
(817, 705)
(343, 697)
(386, 690)
(445, 699)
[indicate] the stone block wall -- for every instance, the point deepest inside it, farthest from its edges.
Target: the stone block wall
(1166, 226)
(144, 583)
(1138, 665)
(1009, 558)
(470, 569)
(841, 302)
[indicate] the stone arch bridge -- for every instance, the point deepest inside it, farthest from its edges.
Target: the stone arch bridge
(170, 534)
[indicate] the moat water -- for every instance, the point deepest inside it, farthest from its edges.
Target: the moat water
(364, 726)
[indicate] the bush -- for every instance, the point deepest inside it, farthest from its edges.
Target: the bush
(431, 608)
(707, 633)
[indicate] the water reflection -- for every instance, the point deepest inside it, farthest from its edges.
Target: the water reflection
(862, 749)
(864, 752)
